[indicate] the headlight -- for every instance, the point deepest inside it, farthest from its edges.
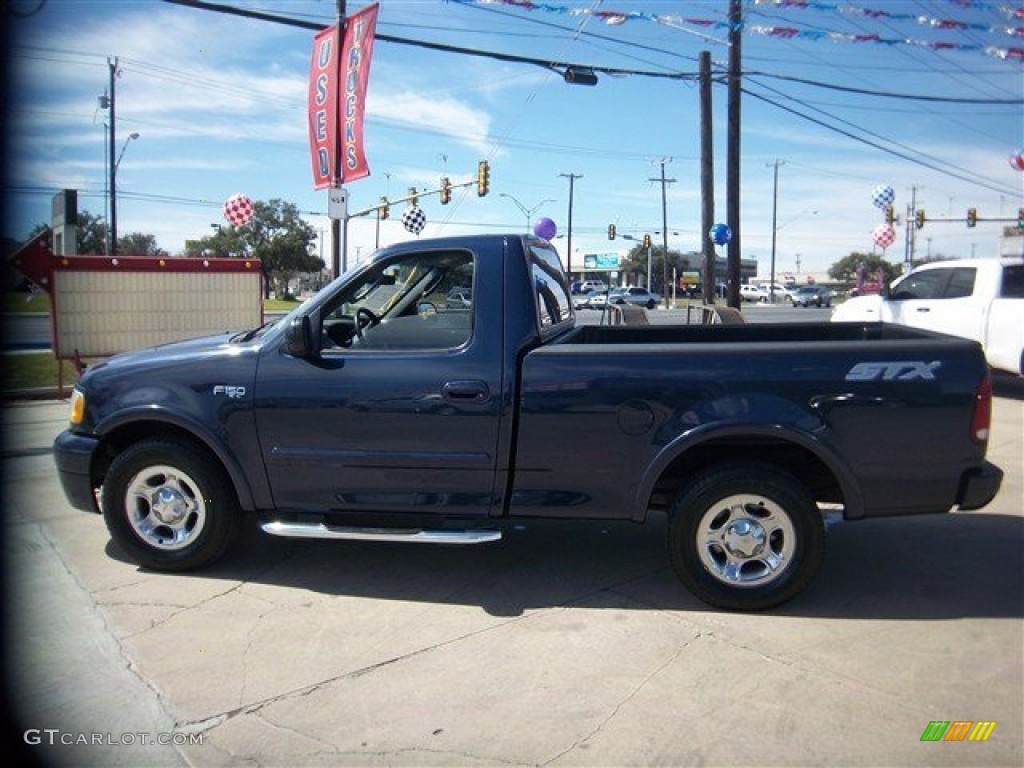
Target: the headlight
(77, 406)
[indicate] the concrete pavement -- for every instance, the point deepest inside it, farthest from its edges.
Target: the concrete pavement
(561, 645)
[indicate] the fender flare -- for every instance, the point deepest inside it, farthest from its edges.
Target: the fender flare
(206, 437)
(694, 439)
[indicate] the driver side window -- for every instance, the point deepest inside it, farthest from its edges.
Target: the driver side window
(926, 284)
(413, 301)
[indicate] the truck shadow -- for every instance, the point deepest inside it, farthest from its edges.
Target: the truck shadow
(934, 567)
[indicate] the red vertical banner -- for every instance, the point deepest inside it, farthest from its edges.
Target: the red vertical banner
(357, 50)
(323, 108)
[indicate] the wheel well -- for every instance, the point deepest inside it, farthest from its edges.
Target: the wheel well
(794, 459)
(117, 440)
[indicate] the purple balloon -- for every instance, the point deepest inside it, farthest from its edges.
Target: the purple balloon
(545, 228)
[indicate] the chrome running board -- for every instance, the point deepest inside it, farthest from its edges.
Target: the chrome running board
(414, 535)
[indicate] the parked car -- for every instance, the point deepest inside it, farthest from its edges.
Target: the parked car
(593, 285)
(459, 298)
(587, 300)
(753, 293)
(816, 295)
(787, 293)
(634, 295)
(979, 299)
(355, 418)
(601, 299)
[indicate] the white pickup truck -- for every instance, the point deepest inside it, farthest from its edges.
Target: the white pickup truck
(980, 299)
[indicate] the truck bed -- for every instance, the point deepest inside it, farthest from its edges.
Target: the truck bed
(846, 400)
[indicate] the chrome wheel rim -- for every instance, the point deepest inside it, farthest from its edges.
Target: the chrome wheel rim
(746, 540)
(165, 507)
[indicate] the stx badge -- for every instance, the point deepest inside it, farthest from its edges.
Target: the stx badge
(903, 370)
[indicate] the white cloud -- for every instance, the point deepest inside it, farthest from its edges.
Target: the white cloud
(444, 115)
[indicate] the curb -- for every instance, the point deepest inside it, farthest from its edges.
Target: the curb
(35, 393)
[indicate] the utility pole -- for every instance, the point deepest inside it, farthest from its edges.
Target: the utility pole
(664, 229)
(568, 258)
(775, 220)
(707, 180)
(732, 182)
(111, 148)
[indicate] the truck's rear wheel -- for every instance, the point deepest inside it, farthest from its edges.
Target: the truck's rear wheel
(168, 506)
(746, 536)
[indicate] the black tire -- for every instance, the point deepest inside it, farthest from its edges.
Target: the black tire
(651, 304)
(752, 506)
(190, 526)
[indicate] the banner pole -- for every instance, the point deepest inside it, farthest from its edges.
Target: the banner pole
(339, 255)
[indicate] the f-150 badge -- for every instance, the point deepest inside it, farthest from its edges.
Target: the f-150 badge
(903, 370)
(230, 390)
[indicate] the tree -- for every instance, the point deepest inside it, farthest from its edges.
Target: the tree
(845, 270)
(139, 244)
(91, 236)
(635, 263)
(276, 235)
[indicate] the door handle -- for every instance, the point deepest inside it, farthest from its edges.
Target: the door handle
(924, 309)
(466, 391)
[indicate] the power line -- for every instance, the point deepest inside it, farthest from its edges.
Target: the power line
(884, 94)
(883, 147)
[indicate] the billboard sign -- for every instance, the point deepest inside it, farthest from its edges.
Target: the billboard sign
(600, 262)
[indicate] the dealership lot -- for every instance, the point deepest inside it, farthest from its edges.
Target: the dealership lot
(562, 644)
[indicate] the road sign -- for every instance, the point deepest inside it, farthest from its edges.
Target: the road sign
(337, 202)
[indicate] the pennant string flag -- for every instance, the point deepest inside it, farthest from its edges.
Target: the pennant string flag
(618, 18)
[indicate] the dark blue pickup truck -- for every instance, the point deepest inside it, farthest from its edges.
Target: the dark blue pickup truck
(385, 409)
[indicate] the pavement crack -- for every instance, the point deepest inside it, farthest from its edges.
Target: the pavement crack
(626, 700)
(307, 690)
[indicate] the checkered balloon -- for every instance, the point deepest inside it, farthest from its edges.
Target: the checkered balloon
(238, 209)
(882, 196)
(884, 235)
(414, 219)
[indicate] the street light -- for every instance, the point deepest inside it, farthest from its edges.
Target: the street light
(113, 193)
(527, 212)
(131, 137)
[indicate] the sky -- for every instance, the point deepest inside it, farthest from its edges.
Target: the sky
(928, 99)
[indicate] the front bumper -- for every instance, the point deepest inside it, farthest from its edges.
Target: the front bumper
(73, 454)
(979, 486)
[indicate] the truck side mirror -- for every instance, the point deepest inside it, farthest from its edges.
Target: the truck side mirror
(299, 337)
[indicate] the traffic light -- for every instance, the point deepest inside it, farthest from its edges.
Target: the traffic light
(1020, 218)
(890, 216)
(972, 217)
(919, 219)
(611, 231)
(414, 198)
(446, 190)
(647, 241)
(385, 208)
(483, 178)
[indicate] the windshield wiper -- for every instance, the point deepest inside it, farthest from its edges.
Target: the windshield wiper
(251, 334)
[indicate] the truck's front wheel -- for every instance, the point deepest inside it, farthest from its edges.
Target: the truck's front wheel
(746, 536)
(168, 507)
